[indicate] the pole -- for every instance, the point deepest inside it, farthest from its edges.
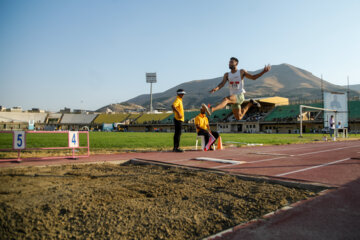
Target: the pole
(335, 127)
(151, 107)
(88, 143)
(151, 78)
(322, 91)
(348, 102)
(301, 120)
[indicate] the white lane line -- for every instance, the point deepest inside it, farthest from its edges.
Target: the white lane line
(309, 168)
(290, 148)
(328, 150)
(265, 160)
(232, 165)
(308, 145)
(272, 154)
(303, 154)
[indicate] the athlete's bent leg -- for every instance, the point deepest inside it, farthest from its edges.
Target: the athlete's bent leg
(239, 113)
(245, 109)
(225, 101)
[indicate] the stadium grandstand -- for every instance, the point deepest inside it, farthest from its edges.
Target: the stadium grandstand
(20, 120)
(71, 121)
(354, 116)
(111, 118)
(152, 118)
(189, 115)
(220, 115)
(52, 121)
(287, 113)
(132, 117)
(169, 119)
(354, 113)
(22, 117)
(53, 118)
(274, 116)
(285, 119)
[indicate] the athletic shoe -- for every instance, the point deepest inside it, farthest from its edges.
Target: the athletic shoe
(256, 103)
(207, 109)
(178, 150)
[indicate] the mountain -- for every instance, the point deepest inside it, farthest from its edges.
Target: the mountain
(283, 80)
(355, 87)
(120, 107)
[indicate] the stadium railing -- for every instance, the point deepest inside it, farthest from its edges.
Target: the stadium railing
(22, 141)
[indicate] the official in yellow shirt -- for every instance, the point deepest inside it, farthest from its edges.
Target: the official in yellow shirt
(179, 118)
(203, 127)
(178, 108)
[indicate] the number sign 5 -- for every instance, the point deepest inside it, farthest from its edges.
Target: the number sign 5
(19, 140)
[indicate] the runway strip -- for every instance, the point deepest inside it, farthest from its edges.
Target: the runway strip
(309, 168)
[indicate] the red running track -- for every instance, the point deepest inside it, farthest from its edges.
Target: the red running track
(331, 163)
(335, 163)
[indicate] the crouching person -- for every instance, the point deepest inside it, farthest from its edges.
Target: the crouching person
(203, 127)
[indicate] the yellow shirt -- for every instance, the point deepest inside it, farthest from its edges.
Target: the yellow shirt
(178, 104)
(202, 121)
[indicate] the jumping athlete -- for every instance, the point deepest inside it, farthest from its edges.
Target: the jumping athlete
(236, 86)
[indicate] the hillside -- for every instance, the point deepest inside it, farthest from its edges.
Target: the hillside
(283, 80)
(120, 107)
(355, 87)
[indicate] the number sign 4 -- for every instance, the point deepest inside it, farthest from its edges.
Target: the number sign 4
(73, 139)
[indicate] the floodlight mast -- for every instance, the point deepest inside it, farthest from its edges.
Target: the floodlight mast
(151, 106)
(151, 78)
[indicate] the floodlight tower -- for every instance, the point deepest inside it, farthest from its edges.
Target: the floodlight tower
(151, 78)
(322, 91)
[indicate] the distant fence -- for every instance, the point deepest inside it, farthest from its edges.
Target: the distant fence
(19, 143)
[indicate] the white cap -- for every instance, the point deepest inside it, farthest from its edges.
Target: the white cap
(180, 91)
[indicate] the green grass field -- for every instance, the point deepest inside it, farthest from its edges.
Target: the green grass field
(117, 141)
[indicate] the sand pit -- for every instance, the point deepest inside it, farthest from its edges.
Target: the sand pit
(107, 201)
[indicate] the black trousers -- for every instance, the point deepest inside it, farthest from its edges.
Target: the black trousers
(207, 135)
(178, 126)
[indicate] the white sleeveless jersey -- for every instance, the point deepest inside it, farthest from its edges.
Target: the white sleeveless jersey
(236, 84)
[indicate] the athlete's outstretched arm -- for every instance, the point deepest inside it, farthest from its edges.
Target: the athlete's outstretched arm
(223, 82)
(256, 76)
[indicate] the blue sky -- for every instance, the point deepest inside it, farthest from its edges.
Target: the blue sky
(87, 54)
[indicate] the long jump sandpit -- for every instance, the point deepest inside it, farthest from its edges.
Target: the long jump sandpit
(131, 201)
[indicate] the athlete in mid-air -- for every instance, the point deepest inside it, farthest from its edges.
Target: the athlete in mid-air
(236, 86)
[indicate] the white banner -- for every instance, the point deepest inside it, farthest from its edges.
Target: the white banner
(338, 102)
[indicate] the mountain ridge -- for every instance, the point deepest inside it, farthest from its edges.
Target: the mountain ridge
(282, 80)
